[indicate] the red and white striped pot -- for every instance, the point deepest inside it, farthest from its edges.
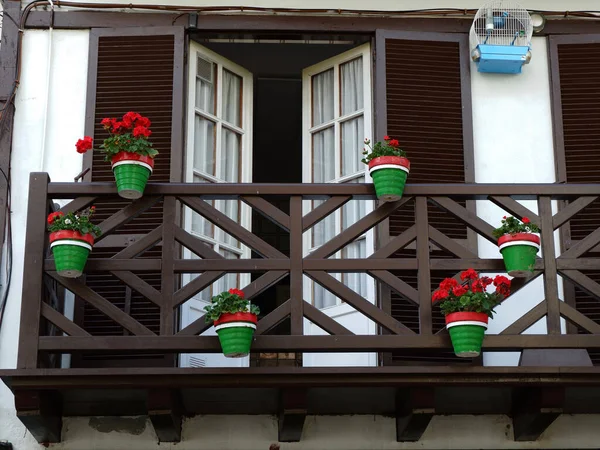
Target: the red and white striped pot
(519, 252)
(467, 330)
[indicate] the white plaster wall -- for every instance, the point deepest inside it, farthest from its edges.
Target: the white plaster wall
(323, 432)
(66, 112)
(385, 5)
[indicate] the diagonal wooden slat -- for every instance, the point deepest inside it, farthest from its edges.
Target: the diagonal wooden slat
(195, 244)
(528, 319)
(77, 204)
(467, 217)
(126, 214)
(394, 282)
(263, 283)
(196, 285)
(323, 321)
(232, 227)
(355, 230)
(139, 285)
(103, 305)
(449, 245)
(573, 208)
(268, 210)
(578, 319)
(514, 208)
(583, 281)
(66, 325)
(358, 302)
(397, 243)
(584, 245)
(140, 246)
(323, 210)
(198, 326)
(274, 318)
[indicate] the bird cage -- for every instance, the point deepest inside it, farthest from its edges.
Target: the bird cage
(501, 37)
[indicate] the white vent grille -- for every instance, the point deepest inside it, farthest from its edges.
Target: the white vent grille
(197, 362)
(205, 69)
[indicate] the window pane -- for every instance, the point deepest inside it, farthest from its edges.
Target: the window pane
(204, 145)
(230, 280)
(356, 281)
(230, 157)
(323, 156)
(322, 97)
(354, 210)
(351, 74)
(325, 230)
(205, 88)
(353, 137)
(200, 225)
(232, 95)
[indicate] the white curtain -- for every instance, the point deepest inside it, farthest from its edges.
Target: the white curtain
(352, 86)
(322, 94)
(232, 89)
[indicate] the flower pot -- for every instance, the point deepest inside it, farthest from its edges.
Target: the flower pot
(131, 173)
(519, 252)
(235, 333)
(466, 332)
(389, 175)
(70, 250)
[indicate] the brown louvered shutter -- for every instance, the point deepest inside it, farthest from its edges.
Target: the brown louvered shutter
(132, 70)
(576, 95)
(427, 108)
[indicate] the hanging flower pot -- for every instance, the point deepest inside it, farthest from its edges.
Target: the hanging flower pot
(388, 167)
(131, 173)
(235, 320)
(467, 304)
(519, 252)
(235, 333)
(467, 330)
(389, 175)
(128, 150)
(71, 241)
(518, 245)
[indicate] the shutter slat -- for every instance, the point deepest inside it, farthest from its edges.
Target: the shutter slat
(579, 69)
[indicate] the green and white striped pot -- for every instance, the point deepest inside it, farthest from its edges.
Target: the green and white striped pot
(131, 173)
(389, 175)
(467, 330)
(519, 252)
(235, 333)
(70, 250)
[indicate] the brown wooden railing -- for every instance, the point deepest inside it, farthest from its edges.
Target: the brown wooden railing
(127, 266)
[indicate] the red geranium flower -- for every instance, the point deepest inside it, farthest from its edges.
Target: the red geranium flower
(130, 118)
(394, 143)
(141, 131)
(448, 284)
(85, 144)
(237, 292)
(386, 138)
(477, 286)
(440, 294)
(459, 291)
(470, 274)
(143, 122)
(485, 281)
(107, 122)
(116, 125)
(53, 216)
(525, 220)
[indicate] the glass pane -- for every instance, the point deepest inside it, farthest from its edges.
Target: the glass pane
(323, 156)
(204, 145)
(205, 88)
(354, 210)
(230, 157)
(231, 208)
(351, 74)
(353, 141)
(356, 281)
(229, 280)
(200, 225)
(232, 98)
(325, 230)
(322, 97)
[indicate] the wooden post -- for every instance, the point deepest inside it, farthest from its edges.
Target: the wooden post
(31, 301)
(424, 276)
(550, 273)
(167, 318)
(296, 290)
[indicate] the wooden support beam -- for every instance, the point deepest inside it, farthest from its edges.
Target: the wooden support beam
(41, 413)
(414, 410)
(534, 409)
(165, 410)
(292, 413)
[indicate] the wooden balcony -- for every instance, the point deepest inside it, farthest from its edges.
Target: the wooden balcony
(555, 376)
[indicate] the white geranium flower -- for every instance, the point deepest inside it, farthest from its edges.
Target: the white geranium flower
(68, 221)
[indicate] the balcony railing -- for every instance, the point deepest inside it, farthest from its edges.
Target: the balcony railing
(39, 273)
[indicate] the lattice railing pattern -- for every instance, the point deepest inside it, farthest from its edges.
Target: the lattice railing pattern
(127, 266)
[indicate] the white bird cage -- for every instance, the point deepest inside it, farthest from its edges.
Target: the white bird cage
(501, 37)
